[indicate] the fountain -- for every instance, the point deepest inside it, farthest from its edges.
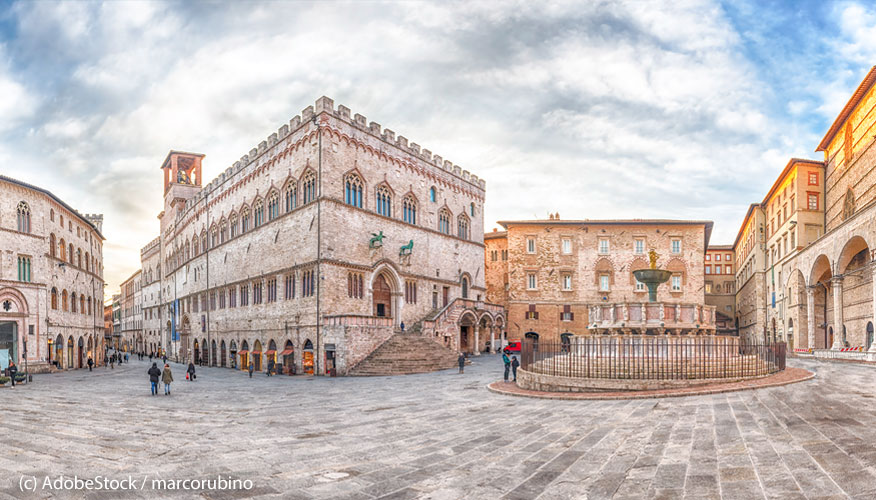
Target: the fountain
(652, 277)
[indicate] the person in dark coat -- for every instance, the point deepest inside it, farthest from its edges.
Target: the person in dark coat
(191, 371)
(251, 368)
(90, 363)
(461, 361)
(514, 365)
(270, 367)
(154, 373)
(12, 371)
(507, 362)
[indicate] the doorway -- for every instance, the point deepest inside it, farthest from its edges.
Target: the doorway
(382, 297)
(463, 338)
(307, 357)
(8, 334)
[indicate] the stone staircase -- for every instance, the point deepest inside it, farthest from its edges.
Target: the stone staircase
(406, 353)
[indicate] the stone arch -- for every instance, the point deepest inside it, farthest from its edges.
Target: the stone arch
(603, 266)
(676, 266)
(820, 268)
(17, 301)
(465, 285)
(388, 292)
(855, 248)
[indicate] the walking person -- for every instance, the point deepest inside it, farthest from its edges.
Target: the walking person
(154, 373)
(112, 362)
(514, 365)
(270, 367)
(167, 378)
(251, 368)
(12, 371)
(461, 361)
(90, 363)
(191, 372)
(507, 361)
(126, 357)
(164, 359)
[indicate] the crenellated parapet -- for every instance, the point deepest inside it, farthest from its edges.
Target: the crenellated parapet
(150, 247)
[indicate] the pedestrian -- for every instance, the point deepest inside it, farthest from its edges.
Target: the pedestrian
(461, 361)
(251, 368)
(126, 357)
(191, 372)
(167, 378)
(154, 373)
(164, 359)
(402, 325)
(112, 362)
(12, 371)
(507, 362)
(514, 365)
(90, 363)
(270, 367)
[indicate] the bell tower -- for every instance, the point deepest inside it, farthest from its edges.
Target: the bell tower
(182, 181)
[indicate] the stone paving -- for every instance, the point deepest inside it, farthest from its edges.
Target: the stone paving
(439, 436)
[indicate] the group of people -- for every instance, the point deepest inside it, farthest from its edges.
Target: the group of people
(165, 375)
(511, 364)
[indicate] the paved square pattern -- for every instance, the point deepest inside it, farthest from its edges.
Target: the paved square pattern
(440, 436)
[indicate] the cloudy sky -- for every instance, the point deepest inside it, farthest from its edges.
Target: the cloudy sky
(592, 109)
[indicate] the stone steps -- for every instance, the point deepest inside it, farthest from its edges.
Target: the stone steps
(404, 354)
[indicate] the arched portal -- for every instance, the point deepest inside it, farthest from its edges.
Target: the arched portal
(381, 296)
(70, 352)
(307, 357)
(257, 355)
(244, 355)
(80, 351)
(213, 352)
(223, 354)
(857, 282)
(820, 278)
(288, 358)
(869, 334)
(271, 354)
(205, 352)
(532, 337)
(59, 351)
(466, 340)
(196, 350)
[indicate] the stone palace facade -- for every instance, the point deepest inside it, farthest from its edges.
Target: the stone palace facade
(314, 249)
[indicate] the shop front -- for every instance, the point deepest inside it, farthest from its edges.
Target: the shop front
(288, 358)
(8, 340)
(307, 358)
(244, 356)
(256, 356)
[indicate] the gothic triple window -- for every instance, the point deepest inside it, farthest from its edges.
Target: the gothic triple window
(244, 220)
(195, 247)
(258, 214)
(462, 226)
(409, 209)
(291, 197)
(273, 206)
(353, 190)
(214, 237)
(223, 231)
(308, 185)
(233, 220)
(23, 212)
(384, 201)
(355, 285)
(444, 221)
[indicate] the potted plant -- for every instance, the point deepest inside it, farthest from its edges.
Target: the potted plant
(3, 380)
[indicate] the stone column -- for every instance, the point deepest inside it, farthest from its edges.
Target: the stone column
(837, 286)
(477, 329)
(810, 315)
(492, 339)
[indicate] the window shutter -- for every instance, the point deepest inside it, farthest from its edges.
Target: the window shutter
(571, 316)
(536, 315)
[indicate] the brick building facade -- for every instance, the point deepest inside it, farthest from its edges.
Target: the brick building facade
(51, 281)
(720, 287)
(317, 246)
(559, 278)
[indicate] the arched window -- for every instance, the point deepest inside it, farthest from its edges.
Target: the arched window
(89, 306)
(290, 194)
(258, 214)
(54, 298)
(196, 250)
(444, 221)
(188, 251)
(79, 257)
(384, 201)
(62, 246)
(73, 302)
(462, 227)
(52, 243)
(432, 196)
(214, 236)
(233, 221)
(273, 206)
(23, 217)
(82, 304)
(464, 287)
(87, 262)
(244, 220)
(472, 209)
(308, 186)
(353, 190)
(64, 305)
(70, 252)
(409, 209)
(204, 241)
(223, 231)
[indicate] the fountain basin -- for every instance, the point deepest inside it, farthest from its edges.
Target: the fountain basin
(651, 278)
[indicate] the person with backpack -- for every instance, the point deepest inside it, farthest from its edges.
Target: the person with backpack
(12, 371)
(514, 365)
(507, 362)
(154, 373)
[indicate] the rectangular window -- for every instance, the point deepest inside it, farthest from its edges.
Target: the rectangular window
(793, 205)
(676, 283)
(24, 272)
(708, 257)
(531, 281)
(813, 178)
(257, 288)
(531, 313)
(708, 288)
(530, 245)
(203, 302)
(604, 283)
(567, 282)
(410, 292)
(640, 287)
(717, 269)
(675, 245)
(222, 299)
(718, 257)
(603, 246)
(212, 301)
(567, 246)
(567, 314)
(355, 282)
(708, 269)
(639, 246)
(232, 297)
(244, 295)
(272, 290)
(812, 201)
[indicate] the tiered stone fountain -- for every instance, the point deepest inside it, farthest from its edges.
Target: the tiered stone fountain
(653, 277)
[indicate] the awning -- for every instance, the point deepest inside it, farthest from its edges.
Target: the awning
(287, 352)
(270, 352)
(256, 352)
(242, 352)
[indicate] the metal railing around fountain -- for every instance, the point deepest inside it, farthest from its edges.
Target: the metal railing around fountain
(653, 358)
